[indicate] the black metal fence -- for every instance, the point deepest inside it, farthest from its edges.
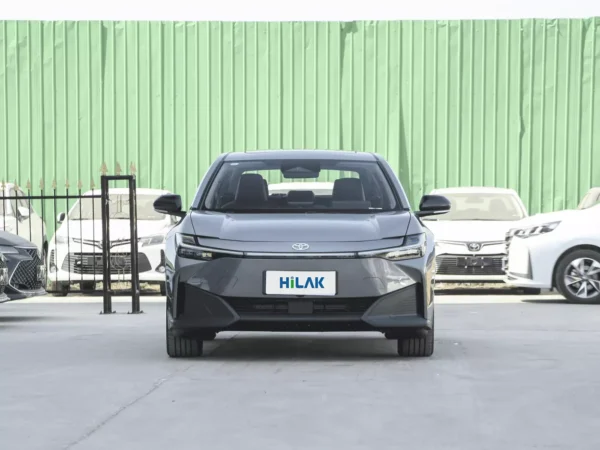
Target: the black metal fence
(71, 229)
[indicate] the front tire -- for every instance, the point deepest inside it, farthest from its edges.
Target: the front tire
(418, 346)
(183, 347)
(577, 276)
(531, 291)
(59, 289)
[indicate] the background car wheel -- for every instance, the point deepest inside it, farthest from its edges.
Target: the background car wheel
(531, 291)
(163, 289)
(88, 286)
(182, 347)
(578, 276)
(59, 289)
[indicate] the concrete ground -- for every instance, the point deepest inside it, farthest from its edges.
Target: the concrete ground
(508, 373)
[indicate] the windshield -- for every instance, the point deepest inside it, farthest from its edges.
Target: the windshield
(273, 186)
(90, 208)
(480, 206)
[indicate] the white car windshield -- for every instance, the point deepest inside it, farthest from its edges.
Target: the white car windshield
(482, 206)
(90, 209)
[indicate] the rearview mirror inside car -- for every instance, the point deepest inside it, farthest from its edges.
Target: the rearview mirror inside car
(169, 204)
(432, 205)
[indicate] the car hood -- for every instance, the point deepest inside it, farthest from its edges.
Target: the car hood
(12, 240)
(470, 230)
(119, 229)
(310, 227)
(540, 219)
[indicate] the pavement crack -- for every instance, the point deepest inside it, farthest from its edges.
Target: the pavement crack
(154, 387)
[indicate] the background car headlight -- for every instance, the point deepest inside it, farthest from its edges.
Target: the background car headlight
(413, 247)
(7, 250)
(537, 230)
(153, 240)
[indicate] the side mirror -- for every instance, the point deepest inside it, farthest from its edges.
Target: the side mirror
(60, 218)
(433, 205)
(169, 204)
(23, 212)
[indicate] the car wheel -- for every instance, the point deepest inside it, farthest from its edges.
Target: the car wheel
(531, 291)
(417, 345)
(183, 347)
(88, 286)
(60, 289)
(578, 276)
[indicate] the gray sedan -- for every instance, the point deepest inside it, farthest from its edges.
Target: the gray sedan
(249, 258)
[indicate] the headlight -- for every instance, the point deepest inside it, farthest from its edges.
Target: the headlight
(188, 247)
(152, 240)
(7, 250)
(536, 230)
(413, 247)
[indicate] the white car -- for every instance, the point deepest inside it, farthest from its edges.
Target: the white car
(18, 217)
(76, 248)
(470, 239)
(591, 198)
(557, 250)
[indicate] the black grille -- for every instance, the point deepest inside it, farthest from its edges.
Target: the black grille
(454, 265)
(2, 268)
(26, 275)
(91, 263)
(280, 305)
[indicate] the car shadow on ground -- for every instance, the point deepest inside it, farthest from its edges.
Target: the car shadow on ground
(540, 301)
(306, 348)
(19, 319)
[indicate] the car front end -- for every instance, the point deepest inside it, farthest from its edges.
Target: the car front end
(272, 287)
(468, 262)
(532, 254)
(25, 269)
(80, 260)
(351, 257)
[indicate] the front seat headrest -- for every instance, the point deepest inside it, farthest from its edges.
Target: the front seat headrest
(348, 189)
(251, 189)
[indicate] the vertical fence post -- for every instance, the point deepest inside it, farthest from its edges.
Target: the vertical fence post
(106, 275)
(135, 276)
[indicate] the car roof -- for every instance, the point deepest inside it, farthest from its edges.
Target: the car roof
(474, 190)
(300, 154)
(139, 191)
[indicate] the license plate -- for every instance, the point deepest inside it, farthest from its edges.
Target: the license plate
(474, 261)
(300, 283)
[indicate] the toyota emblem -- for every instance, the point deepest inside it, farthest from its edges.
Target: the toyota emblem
(300, 246)
(474, 246)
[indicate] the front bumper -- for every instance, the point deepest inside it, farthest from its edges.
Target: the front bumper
(531, 261)
(451, 269)
(26, 274)
(75, 263)
(228, 294)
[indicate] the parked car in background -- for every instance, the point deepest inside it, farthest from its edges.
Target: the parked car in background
(25, 269)
(17, 216)
(3, 279)
(591, 198)
(470, 239)
(76, 248)
(558, 250)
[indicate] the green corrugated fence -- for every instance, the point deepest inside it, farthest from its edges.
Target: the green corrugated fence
(496, 103)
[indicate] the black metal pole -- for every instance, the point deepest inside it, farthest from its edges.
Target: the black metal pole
(106, 287)
(135, 276)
